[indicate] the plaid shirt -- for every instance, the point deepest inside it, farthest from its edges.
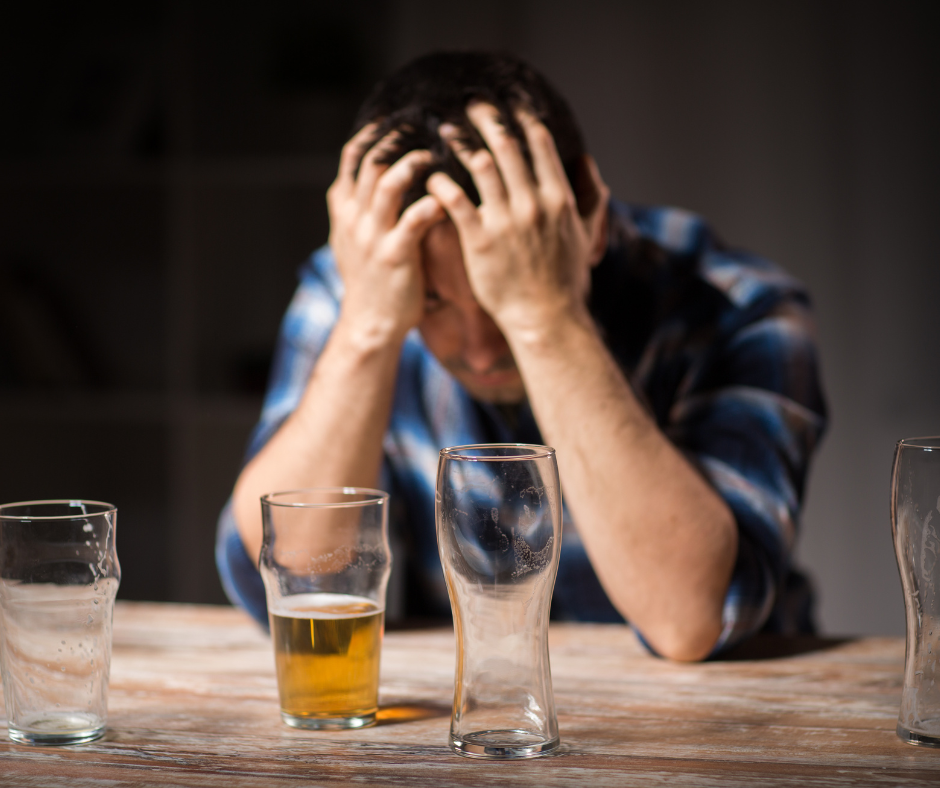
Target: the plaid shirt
(719, 346)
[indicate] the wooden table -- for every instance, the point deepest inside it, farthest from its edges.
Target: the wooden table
(193, 702)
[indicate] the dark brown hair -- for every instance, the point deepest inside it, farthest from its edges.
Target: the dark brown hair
(436, 89)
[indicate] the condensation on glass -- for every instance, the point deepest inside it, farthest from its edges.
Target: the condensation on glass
(59, 576)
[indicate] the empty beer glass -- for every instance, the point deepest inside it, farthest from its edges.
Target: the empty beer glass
(59, 575)
(915, 526)
(325, 562)
(498, 511)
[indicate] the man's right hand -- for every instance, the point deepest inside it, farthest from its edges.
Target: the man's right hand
(378, 252)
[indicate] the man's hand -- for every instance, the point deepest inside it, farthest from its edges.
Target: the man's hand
(527, 251)
(377, 252)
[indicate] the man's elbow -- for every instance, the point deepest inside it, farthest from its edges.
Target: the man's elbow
(686, 644)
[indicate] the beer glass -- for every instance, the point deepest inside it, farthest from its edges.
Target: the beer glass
(325, 562)
(59, 575)
(498, 512)
(915, 526)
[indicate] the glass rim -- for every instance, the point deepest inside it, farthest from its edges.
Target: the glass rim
(370, 495)
(106, 508)
(529, 451)
(929, 442)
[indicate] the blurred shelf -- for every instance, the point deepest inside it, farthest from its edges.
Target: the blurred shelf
(142, 408)
(254, 171)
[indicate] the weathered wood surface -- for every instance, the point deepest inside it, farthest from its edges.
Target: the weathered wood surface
(194, 703)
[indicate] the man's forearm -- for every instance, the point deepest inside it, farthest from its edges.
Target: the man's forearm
(334, 437)
(661, 540)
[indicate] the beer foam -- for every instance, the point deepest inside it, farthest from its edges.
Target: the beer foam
(325, 606)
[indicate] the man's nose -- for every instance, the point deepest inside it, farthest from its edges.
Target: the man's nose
(484, 344)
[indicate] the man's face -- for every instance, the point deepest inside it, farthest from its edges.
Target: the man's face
(455, 328)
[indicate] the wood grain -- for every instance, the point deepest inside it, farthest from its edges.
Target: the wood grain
(194, 703)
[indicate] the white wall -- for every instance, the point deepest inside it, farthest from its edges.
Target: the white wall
(804, 131)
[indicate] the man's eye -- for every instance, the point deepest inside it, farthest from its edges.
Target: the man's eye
(432, 302)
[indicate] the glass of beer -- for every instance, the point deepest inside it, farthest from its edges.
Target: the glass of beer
(325, 562)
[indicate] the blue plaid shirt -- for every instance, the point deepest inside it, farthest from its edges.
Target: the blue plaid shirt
(718, 344)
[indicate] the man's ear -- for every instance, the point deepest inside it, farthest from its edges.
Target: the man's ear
(593, 196)
(599, 239)
(586, 193)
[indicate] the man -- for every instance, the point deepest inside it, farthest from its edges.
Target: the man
(676, 380)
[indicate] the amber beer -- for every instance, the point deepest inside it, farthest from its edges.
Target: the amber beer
(327, 649)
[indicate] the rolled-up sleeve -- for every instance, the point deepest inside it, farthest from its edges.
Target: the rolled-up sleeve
(238, 574)
(750, 419)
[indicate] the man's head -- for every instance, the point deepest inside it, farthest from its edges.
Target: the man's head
(436, 89)
(457, 330)
(413, 103)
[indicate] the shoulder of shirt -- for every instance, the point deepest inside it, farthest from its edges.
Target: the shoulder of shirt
(686, 238)
(319, 271)
(315, 305)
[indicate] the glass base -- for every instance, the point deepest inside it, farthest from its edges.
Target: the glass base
(58, 729)
(503, 744)
(329, 723)
(919, 739)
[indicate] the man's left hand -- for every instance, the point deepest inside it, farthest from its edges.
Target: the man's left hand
(527, 251)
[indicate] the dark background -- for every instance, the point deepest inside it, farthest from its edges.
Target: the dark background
(162, 175)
